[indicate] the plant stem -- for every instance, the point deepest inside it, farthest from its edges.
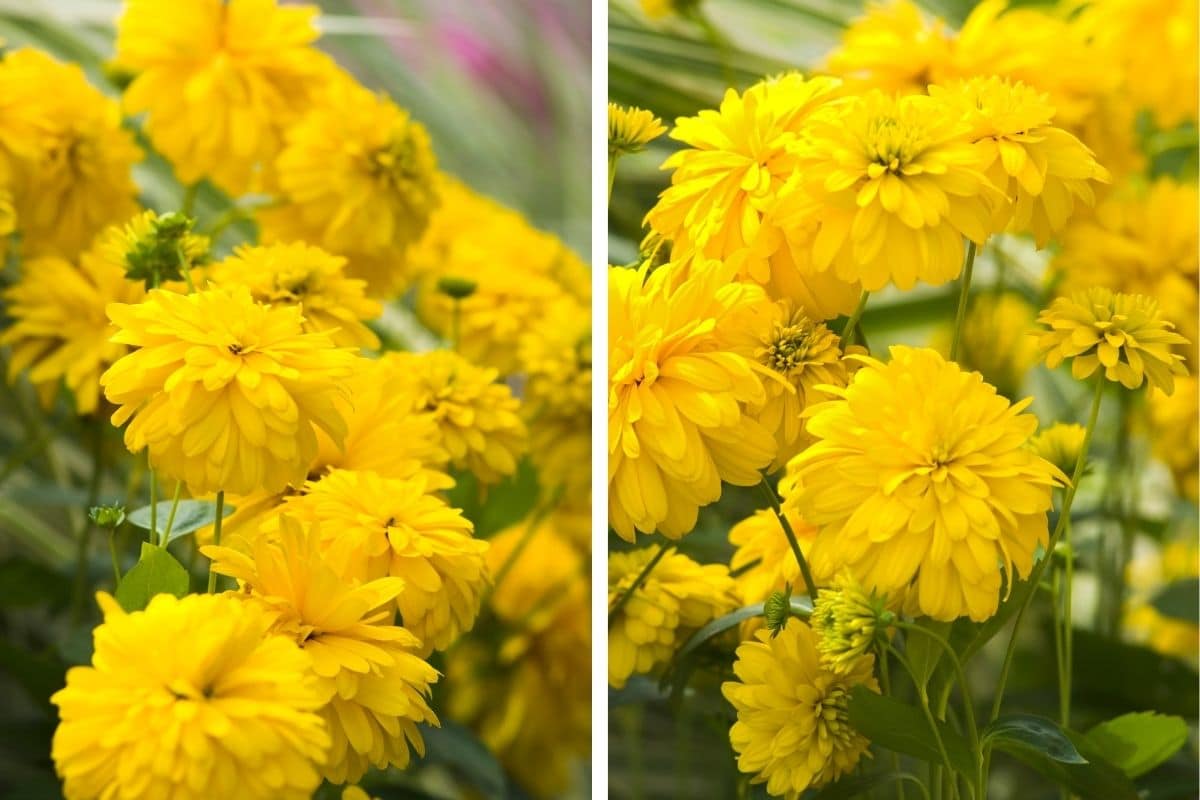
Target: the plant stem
(1068, 630)
(1035, 576)
(212, 575)
(189, 199)
(535, 522)
(1057, 624)
(773, 499)
(153, 498)
(612, 173)
(166, 534)
(638, 581)
(116, 562)
(852, 322)
(885, 682)
(963, 293)
(923, 696)
(79, 595)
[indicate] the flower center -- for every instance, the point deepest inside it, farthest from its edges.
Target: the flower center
(395, 164)
(235, 349)
(832, 716)
(790, 346)
(890, 145)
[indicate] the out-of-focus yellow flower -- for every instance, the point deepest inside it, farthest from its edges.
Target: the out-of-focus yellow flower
(631, 129)
(224, 392)
(1175, 428)
(1041, 168)
(192, 698)
(995, 340)
(1123, 333)
(676, 598)
(376, 527)
(220, 81)
(892, 47)
(895, 186)
(657, 9)
(375, 685)
(678, 398)
(792, 728)
(25, 108)
(478, 419)
(78, 179)
(920, 483)
(356, 793)
(1060, 444)
(529, 697)
(1146, 576)
(308, 277)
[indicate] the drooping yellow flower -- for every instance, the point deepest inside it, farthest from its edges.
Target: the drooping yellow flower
(224, 392)
(1175, 433)
(995, 340)
(159, 251)
(1123, 333)
(1042, 169)
(630, 129)
(59, 330)
(895, 186)
(308, 277)
(848, 621)
(678, 398)
(792, 730)
(920, 482)
(678, 597)
(192, 698)
(1060, 444)
(376, 527)
(1147, 575)
(529, 696)
(375, 686)
(478, 418)
(78, 179)
(221, 81)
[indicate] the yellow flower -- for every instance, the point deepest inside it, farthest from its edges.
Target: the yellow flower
(657, 9)
(1041, 168)
(192, 698)
(224, 392)
(308, 277)
(356, 793)
(630, 129)
(892, 48)
(920, 481)
(1148, 574)
(25, 108)
(792, 729)
(529, 696)
(478, 418)
(376, 527)
(995, 340)
(678, 597)
(1123, 333)
(59, 330)
(375, 685)
(220, 81)
(79, 179)
(1175, 433)
(1060, 444)
(155, 250)
(895, 186)
(848, 621)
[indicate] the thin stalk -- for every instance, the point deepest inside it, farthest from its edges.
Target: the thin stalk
(189, 199)
(852, 322)
(638, 581)
(166, 534)
(1057, 622)
(153, 498)
(885, 682)
(923, 696)
(79, 594)
(116, 562)
(809, 583)
(535, 523)
(1068, 630)
(1039, 569)
(212, 575)
(612, 173)
(963, 293)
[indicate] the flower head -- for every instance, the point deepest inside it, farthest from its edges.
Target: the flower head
(792, 728)
(192, 698)
(1060, 444)
(1123, 333)
(631, 129)
(155, 249)
(220, 81)
(308, 277)
(677, 597)
(678, 398)
(225, 392)
(847, 620)
(892, 47)
(919, 483)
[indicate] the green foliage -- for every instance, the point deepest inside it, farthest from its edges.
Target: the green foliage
(904, 729)
(1051, 751)
(156, 572)
(1180, 600)
(190, 516)
(494, 508)
(460, 750)
(1137, 743)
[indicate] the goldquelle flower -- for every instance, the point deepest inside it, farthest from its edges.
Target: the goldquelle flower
(375, 685)
(678, 398)
(1123, 333)
(220, 81)
(919, 483)
(675, 599)
(191, 698)
(893, 47)
(848, 621)
(477, 417)
(376, 527)
(631, 129)
(224, 392)
(308, 277)
(1060, 444)
(156, 250)
(792, 730)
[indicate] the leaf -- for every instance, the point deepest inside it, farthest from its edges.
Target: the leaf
(800, 607)
(1180, 600)
(156, 572)
(494, 508)
(904, 729)
(1133, 678)
(853, 786)
(457, 747)
(1138, 742)
(1058, 754)
(1036, 733)
(191, 515)
(924, 652)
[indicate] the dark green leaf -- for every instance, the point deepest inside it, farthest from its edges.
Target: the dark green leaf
(25, 583)
(191, 515)
(800, 607)
(494, 508)
(156, 572)
(853, 786)
(1034, 733)
(458, 748)
(1138, 742)
(1180, 600)
(924, 652)
(904, 729)
(1132, 678)
(1059, 755)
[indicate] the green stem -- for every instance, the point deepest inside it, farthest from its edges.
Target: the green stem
(79, 594)
(963, 293)
(852, 322)
(809, 583)
(166, 534)
(535, 523)
(1039, 569)
(885, 682)
(212, 575)
(189, 199)
(638, 581)
(923, 696)
(718, 42)
(612, 173)
(153, 498)
(1068, 630)
(116, 562)
(1056, 621)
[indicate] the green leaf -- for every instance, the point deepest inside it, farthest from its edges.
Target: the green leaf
(457, 747)
(1059, 755)
(1180, 600)
(904, 729)
(800, 607)
(1031, 732)
(1138, 742)
(1133, 677)
(190, 516)
(853, 786)
(156, 572)
(494, 508)
(924, 652)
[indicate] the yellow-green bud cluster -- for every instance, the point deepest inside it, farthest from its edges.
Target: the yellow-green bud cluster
(847, 621)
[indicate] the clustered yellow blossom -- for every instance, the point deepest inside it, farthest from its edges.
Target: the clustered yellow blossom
(631, 129)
